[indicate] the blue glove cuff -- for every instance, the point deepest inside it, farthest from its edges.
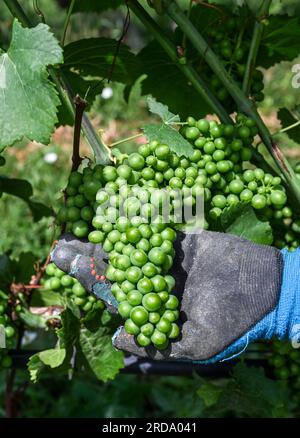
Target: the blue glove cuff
(283, 322)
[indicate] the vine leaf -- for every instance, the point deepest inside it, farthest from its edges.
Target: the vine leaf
(94, 57)
(280, 40)
(31, 320)
(16, 271)
(241, 221)
(162, 111)
(95, 5)
(23, 189)
(209, 393)
(28, 100)
(24, 267)
(53, 358)
(170, 136)
(6, 271)
(104, 360)
(35, 366)
(69, 331)
(46, 298)
(87, 88)
(248, 392)
(167, 83)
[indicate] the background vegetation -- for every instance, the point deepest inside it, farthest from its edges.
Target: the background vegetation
(119, 115)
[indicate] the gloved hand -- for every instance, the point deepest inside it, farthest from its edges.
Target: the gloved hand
(232, 292)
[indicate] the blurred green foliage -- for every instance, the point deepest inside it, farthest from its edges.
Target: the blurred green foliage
(47, 168)
(20, 233)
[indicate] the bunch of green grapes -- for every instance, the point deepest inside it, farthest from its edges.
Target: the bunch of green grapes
(58, 281)
(286, 225)
(140, 250)
(231, 43)
(286, 363)
(287, 231)
(297, 169)
(81, 190)
(116, 206)
(223, 151)
(139, 259)
(8, 330)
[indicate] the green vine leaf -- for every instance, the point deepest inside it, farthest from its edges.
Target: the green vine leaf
(209, 393)
(28, 100)
(104, 360)
(248, 392)
(167, 83)
(280, 40)
(46, 298)
(162, 111)
(170, 136)
(23, 189)
(95, 5)
(53, 358)
(241, 221)
(6, 271)
(34, 366)
(31, 320)
(69, 332)
(24, 267)
(95, 57)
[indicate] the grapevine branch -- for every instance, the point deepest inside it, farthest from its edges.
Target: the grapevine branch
(80, 105)
(255, 43)
(38, 11)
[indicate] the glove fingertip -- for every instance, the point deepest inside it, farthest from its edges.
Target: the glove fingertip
(103, 291)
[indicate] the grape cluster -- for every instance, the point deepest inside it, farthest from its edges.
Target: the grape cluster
(286, 230)
(223, 151)
(297, 169)
(116, 206)
(232, 44)
(81, 193)
(286, 225)
(285, 361)
(140, 242)
(57, 280)
(8, 326)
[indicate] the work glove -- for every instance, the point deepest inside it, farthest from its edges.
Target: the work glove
(232, 292)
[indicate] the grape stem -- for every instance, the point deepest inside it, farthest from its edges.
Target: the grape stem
(258, 31)
(294, 125)
(191, 74)
(244, 104)
(80, 105)
(66, 93)
(124, 140)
